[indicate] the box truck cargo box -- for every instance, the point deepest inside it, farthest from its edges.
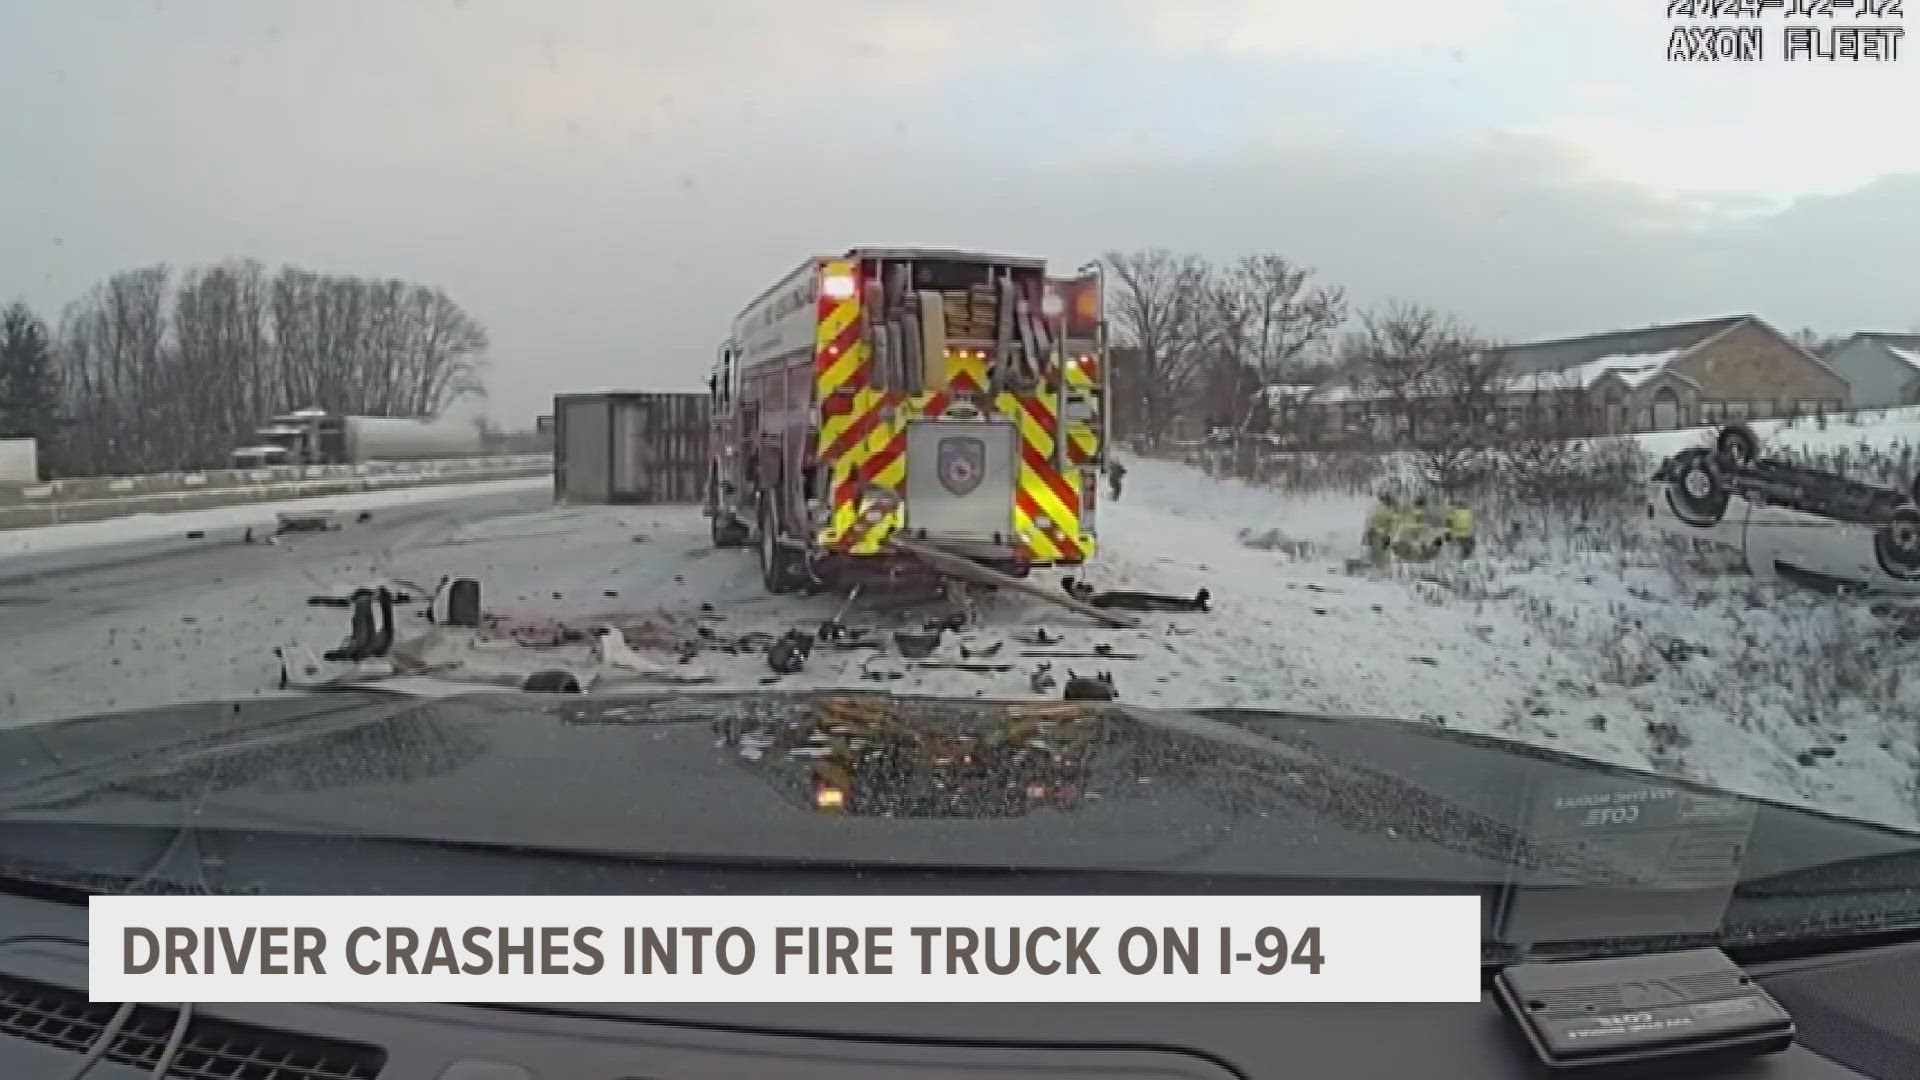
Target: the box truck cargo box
(630, 448)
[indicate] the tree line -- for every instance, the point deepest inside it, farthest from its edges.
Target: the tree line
(153, 370)
(1248, 347)
(1239, 348)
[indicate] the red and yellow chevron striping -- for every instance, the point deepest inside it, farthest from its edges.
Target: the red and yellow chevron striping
(862, 437)
(1046, 499)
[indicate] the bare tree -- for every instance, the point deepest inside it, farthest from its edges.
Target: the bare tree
(1401, 357)
(444, 363)
(154, 379)
(122, 396)
(1156, 303)
(1468, 393)
(1287, 319)
(220, 321)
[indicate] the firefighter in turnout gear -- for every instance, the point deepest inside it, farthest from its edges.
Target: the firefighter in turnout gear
(1410, 530)
(1460, 528)
(1382, 523)
(1115, 473)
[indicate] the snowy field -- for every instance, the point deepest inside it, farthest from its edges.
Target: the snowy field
(1877, 427)
(1550, 640)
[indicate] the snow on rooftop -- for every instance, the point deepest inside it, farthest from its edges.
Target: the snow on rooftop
(1634, 369)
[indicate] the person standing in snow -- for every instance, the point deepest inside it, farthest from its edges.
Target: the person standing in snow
(1381, 526)
(1433, 527)
(1115, 471)
(1460, 528)
(1410, 523)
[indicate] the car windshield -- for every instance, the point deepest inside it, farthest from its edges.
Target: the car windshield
(1201, 443)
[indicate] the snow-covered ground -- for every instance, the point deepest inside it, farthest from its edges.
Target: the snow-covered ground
(135, 528)
(1543, 640)
(1874, 427)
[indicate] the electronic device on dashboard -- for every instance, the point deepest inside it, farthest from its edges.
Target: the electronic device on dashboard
(1663, 1008)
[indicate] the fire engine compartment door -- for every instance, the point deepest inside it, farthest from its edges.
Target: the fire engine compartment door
(960, 478)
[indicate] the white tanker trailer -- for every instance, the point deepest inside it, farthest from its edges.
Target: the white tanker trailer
(318, 437)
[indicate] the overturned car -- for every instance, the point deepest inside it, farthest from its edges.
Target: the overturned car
(1784, 516)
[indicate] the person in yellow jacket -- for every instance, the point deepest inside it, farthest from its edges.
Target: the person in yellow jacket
(1382, 523)
(1460, 528)
(1410, 529)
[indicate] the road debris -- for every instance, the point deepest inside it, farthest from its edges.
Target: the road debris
(916, 646)
(552, 681)
(1089, 688)
(1131, 600)
(967, 570)
(789, 654)
(1094, 654)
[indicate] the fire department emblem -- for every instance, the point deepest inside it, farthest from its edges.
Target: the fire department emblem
(962, 463)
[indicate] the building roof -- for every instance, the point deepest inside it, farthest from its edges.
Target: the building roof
(1902, 347)
(1632, 357)
(1642, 346)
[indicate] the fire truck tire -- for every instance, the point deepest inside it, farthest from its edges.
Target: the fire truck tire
(1737, 445)
(779, 566)
(1697, 494)
(1896, 546)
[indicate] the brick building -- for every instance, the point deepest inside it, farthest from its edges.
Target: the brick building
(1680, 375)
(1650, 379)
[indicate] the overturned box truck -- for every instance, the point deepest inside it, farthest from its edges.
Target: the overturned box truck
(630, 447)
(948, 400)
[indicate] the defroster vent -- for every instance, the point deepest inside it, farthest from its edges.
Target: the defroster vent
(213, 1050)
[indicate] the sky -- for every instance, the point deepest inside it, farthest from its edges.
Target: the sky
(604, 183)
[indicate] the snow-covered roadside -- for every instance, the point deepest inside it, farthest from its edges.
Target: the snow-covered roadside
(135, 528)
(1545, 643)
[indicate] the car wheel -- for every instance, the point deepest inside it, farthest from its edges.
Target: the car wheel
(1896, 546)
(1697, 494)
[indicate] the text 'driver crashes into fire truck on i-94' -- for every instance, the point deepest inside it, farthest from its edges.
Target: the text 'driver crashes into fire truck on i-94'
(885, 402)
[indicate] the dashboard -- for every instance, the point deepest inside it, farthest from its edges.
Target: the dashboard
(1856, 1013)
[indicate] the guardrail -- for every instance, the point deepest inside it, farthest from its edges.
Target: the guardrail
(95, 499)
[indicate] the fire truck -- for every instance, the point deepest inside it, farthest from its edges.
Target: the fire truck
(944, 399)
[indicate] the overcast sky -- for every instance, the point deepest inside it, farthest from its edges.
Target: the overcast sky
(604, 182)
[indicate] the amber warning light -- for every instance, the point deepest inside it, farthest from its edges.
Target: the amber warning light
(1079, 300)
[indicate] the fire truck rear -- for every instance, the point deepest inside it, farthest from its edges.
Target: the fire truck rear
(953, 400)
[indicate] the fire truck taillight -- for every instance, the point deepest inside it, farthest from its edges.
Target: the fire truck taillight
(837, 286)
